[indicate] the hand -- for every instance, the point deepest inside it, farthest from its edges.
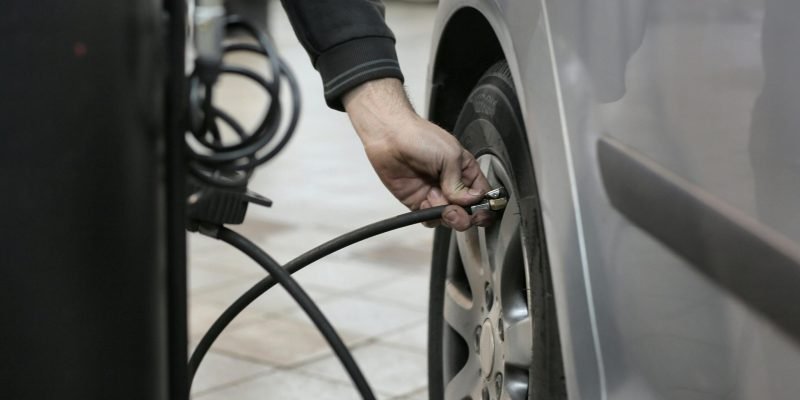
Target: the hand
(421, 164)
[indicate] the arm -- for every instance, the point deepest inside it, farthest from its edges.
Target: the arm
(421, 164)
(347, 40)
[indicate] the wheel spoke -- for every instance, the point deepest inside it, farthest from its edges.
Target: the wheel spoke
(507, 234)
(487, 167)
(506, 250)
(467, 383)
(486, 248)
(469, 248)
(459, 312)
(519, 342)
(515, 386)
(511, 278)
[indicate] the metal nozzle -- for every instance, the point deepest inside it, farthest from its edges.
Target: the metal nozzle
(494, 200)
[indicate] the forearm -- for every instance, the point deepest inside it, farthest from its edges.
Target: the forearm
(377, 108)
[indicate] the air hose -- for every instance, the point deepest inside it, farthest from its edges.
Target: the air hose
(282, 275)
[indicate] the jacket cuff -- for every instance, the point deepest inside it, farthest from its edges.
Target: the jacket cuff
(354, 62)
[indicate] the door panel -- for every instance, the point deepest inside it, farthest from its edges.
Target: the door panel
(704, 91)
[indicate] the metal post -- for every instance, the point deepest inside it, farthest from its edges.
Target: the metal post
(87, 221)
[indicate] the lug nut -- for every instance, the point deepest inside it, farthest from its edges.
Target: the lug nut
(478, 339)
(501, 329)
(489, 296)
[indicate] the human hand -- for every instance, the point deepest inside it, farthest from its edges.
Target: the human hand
(421, 164)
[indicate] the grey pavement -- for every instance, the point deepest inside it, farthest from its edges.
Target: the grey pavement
(375, 292)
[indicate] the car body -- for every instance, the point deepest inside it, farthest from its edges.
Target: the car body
(665, 138)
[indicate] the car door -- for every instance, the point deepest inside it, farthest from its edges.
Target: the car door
(683, 124)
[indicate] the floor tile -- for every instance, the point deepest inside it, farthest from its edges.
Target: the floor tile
(220, 258)
(388, 369)
(204, 279)
(413, 338)
(411, 291)
(284, 385)
(275, 300)
(203, 314)
(279, 341)
(418, 395)
(344, 275)
(366, 317)
(219, 370)
(405, 250)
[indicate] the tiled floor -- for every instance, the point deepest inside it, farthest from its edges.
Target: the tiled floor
(375, 293)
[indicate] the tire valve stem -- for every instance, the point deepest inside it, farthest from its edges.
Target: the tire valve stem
(494, 200)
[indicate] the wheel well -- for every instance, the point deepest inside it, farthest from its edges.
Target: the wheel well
(468, 46)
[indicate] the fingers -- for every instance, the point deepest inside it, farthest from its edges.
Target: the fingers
(462, 184)
(469, 189)
(472, 175)
(462, 181)
(483, 218)
(435, 198)
(454, 216)
(428, 224)
(457, 218)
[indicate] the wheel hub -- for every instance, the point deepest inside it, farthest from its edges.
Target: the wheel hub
(487, 349)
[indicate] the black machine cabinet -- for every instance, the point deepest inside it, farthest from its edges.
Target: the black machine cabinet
(92, 252)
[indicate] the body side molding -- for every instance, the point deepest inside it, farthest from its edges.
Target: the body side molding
(758, 265)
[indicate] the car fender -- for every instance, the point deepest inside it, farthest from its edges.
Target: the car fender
(522, 32)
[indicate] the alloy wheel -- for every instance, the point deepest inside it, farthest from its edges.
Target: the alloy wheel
(487, 314)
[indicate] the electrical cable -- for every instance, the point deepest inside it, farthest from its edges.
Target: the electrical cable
(299, 263)
(301, 297)
(232, 123)
(230, 165)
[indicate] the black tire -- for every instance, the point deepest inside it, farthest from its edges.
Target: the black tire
(490, 126)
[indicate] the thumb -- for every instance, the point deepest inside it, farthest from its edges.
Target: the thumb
(462, 181)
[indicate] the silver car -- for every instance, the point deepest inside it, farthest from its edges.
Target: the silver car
(651, 245)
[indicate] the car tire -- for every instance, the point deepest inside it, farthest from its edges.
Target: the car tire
(493, 332)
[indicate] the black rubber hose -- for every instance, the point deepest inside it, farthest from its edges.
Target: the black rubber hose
(232, 123)
(304, 301)
(299, 263)
(295, 90)
(264, 42)
(263, 134)
(244, 156)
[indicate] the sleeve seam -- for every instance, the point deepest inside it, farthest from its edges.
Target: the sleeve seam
(352, 70)
(351, 78)
(346, 42)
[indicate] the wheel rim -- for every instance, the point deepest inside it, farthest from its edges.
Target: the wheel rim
(487, 333)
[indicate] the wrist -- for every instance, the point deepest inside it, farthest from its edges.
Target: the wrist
(378, 109)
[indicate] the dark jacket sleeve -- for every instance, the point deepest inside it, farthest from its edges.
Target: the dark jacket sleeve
(348, 42)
